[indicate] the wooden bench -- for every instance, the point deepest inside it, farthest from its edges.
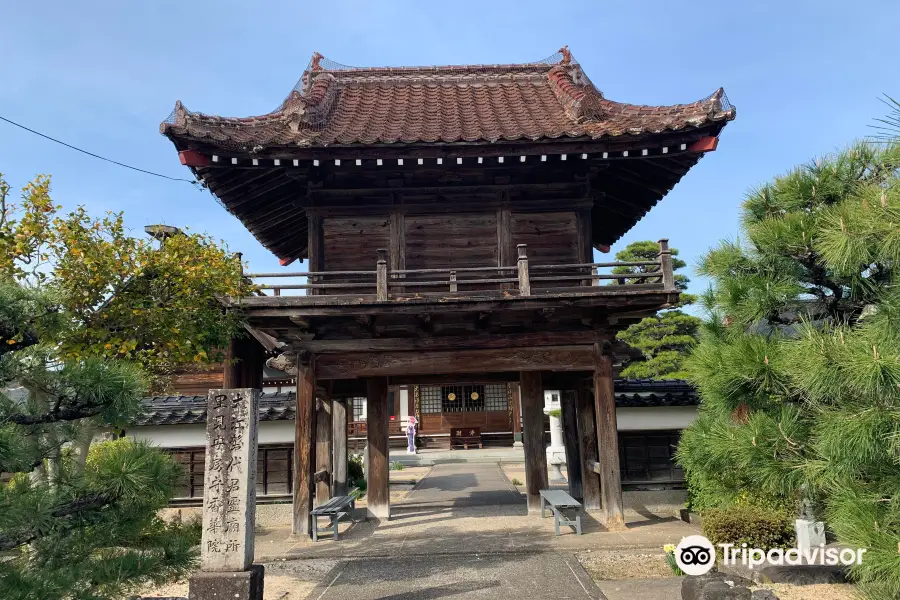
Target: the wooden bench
(336, 508)
(465, 437)
(558, 501)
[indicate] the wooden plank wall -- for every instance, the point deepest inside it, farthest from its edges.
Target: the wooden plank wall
(445, 241)
(351, 244)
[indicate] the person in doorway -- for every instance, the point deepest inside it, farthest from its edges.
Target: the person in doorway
(411, 435)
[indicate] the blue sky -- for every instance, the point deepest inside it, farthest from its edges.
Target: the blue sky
(805, 77)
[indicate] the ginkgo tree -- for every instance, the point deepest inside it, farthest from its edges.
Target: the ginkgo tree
(91, 319)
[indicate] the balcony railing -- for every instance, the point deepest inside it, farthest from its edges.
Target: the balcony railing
(523, 279)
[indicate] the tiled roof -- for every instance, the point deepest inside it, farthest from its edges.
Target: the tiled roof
(187, 410)
(338, 105)
(655, 392)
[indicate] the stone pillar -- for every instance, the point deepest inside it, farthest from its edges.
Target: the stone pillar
(339, 445)
(556, 452)
(570, 439)
(532, 395)
(587, 447)
(607, 437)
(512, 390)
(378, 499)
(229, 499)
(323, 449)
(304, 443)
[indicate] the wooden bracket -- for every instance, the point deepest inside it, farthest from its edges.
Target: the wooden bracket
(192, 158)
(704, 144)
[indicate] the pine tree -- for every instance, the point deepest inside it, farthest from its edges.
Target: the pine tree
(798, 366)
(666, 338)
(87, 315)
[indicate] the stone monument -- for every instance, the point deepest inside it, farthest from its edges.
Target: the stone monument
(810, 533)
(556, 452)
(229, 500)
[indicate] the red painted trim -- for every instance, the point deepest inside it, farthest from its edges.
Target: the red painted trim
(285, 261)
(192, 158)
(604, 248)
(704, 144)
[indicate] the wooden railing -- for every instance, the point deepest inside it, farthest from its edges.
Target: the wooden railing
(517, 280)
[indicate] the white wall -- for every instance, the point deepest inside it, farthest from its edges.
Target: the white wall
(659, 417)
(186, 436)
(282, 432)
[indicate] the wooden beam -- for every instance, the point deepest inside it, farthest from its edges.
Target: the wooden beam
(587, 447)
(324, 449)
(533, 438)
(451, 379)
(378, 498)
(370, 364)
(570, 439)
(575, 187)
(480, 341)
(607, 437)
(340, 483)
(304, 443)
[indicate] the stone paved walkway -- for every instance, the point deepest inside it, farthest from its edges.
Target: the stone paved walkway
(464, 484)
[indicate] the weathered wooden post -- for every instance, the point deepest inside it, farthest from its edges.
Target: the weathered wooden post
(587, 447)
(453, 286)
(524, 280)
(665, 265)
(324, 456)
(607, 437)
(381, 276)
(570, 434)
(229, 499)
(533, 437)
(339, 445)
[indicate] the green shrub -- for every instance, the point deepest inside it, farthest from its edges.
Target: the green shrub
(556, 412)
(757, 527)
(355, 470)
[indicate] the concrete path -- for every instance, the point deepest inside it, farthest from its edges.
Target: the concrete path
(514, 576)
(437, 456)
(459, 485)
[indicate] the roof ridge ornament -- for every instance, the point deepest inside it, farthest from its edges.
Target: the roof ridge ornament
(314, 64)
(566, 55)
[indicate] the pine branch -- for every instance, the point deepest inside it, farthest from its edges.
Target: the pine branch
(59, 413)
(78, 506)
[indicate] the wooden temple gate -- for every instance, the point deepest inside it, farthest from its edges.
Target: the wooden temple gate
(449, 218)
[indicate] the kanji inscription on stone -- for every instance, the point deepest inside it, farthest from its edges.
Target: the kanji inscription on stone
(229, 483)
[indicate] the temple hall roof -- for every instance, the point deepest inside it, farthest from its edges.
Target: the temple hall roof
(346, 106)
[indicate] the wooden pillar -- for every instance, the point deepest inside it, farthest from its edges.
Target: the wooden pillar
(607, 437)
(304, 443)
(339, 444)
(532, 393)
(323, 449)
(570, 439)
(245, 359)
(315, 252)
(377, 490)
(587, 446)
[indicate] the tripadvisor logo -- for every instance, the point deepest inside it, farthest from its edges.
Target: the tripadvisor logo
(696, 555)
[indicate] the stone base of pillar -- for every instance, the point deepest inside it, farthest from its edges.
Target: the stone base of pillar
(810, 534)
(241, 585)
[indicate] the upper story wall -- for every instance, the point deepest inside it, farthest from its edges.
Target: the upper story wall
(448, 240)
